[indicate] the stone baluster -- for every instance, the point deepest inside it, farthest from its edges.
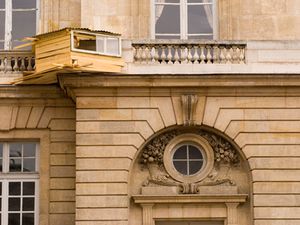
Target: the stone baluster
(151, 54)
(216, 54)
(222, 54)
(242, 55)
(176, 54)
(143, 54)
(163, 54)
(137, 56)
(208, 54)
(16, 68)
(202, 55)
(7, 65)
(169, 56)
(183, 56)
(234, 54)
(2, 65)
(189, 54)
(29, 67)
(22, 65)
(156, 54)
(196, 56)
(228, 55)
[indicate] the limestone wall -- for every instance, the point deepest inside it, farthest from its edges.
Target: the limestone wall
(113, 124)
(51, 122)
(238, 19)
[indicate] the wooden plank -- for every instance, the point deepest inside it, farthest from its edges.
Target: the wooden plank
(47, 55)
(52, 47)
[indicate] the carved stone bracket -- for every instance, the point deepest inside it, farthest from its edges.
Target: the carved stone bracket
(189, 103)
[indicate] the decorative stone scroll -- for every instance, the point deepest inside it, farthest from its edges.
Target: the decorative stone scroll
(225, 157)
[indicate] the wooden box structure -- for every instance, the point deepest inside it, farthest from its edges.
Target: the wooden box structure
(71, 50)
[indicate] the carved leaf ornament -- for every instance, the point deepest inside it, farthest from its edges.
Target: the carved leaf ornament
(225, 157)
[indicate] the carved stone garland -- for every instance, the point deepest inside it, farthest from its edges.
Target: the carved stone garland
(225, 157)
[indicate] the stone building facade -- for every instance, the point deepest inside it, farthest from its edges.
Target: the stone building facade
(193, 131)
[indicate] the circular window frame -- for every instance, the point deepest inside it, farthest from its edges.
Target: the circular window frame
(202, 145)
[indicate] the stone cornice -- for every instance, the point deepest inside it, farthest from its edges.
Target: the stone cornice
(190, 199)
(164, 85)
(31, 91)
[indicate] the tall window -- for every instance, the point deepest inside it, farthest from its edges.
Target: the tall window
(184, 19)
(18, 183)
(18, 19)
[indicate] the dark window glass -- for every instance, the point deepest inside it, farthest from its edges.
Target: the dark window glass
(29, 149)
(23, 24)
(15, 188)
(28, 204)
(14, 219)
(29, 165)
(1, 45)
(14, 204)
(28, 218)
(181, 167)
(24, 4)
(198, 21)
(194, 153)
(28, 188)
(180, 153)
(15, 150)
(0, 188)
(169, 19)
(2, 25)
(15, 165)
(194, 167)
(2, 4)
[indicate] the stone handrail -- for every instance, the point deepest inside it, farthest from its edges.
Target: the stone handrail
(16, 61)
(188, 52)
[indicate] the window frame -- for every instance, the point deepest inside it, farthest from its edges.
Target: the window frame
(184, 19)
(6, 177)
(8, 14)
(207, 153)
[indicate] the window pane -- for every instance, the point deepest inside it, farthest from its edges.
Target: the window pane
(167, 19)
(181, 167)
(15, 165)
(23, 4)
(28, 218)
(195, 167)
(15, 150)
(180, 153)
(13, 219)
(28, 188)
(0, 204)
(15, 188)
(29, 149)
(1, 45)
(23, 24)
(112, 46)
(1, 189)
(100, 44)
(29, 165)
(2, 27)
(194, 153)
(28, 204)
(200, 19)
(2, 5)
(14, 204)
